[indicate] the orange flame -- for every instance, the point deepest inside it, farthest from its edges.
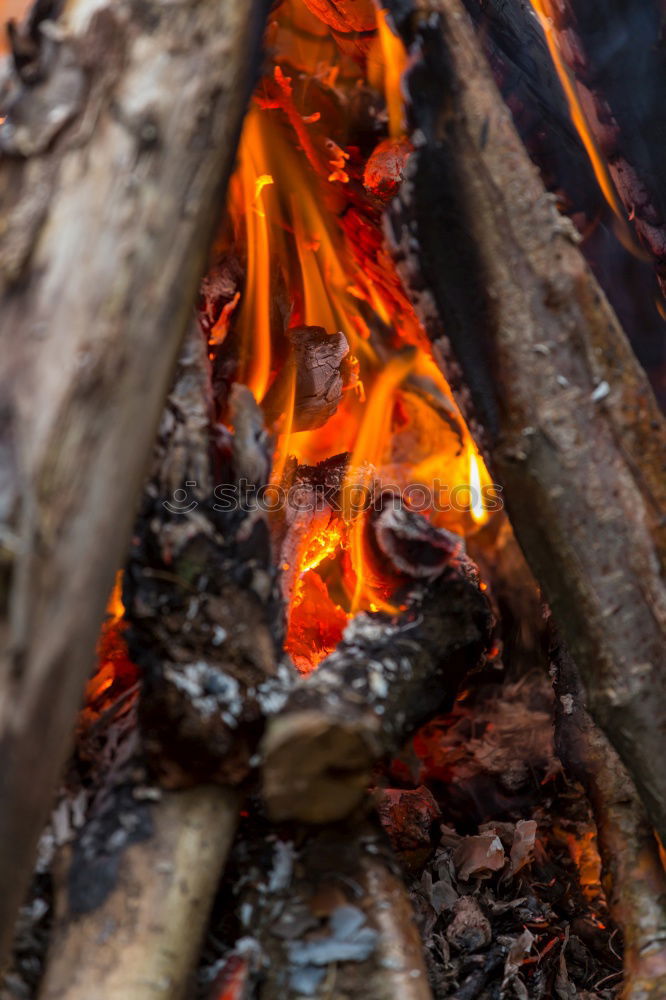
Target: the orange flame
(386, 64)
(368, 451)
(255, 308)
(114, 668)
(312, 237)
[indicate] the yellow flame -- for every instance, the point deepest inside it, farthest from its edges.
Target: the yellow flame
(477, 509)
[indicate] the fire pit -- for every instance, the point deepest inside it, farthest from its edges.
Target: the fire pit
(378, 701)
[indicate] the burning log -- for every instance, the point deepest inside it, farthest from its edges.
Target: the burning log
(144, 938)
(636, 883)
(332, 913)
(118, 139)
(611, 50)
(517, 52)
(390, 673)
(552, 391)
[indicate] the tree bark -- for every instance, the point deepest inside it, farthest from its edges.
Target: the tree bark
(119, 139)
(542, 369)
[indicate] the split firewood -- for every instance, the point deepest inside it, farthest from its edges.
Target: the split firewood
(543, 371)
(635, 879)
(117, 139)
(390, 673)
(328, 915)
(142, 939)
(311, 383)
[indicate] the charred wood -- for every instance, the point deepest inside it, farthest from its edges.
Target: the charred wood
(345, 15)
(127, 126)
(200, 588)
(389, 674)
(546, 378)
(314, 509)
(635, 879)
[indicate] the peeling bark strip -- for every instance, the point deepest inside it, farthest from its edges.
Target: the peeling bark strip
(635, 880)
(551, 389)
(116, 157)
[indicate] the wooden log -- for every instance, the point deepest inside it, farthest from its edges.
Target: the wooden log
(541, 368)
(143, 940)
(390, 673)
(635, 881)
(114, 164)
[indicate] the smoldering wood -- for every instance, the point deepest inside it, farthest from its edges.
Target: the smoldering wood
(200, 588)
(388, 675)
(541, 368)
(312, 381)
(345, 15)
(116, 157)
(143, 940)
(329, 913)
(635, 879)
(413, 546)
(313, 509)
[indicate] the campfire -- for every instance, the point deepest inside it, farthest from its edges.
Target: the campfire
(376, 707)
